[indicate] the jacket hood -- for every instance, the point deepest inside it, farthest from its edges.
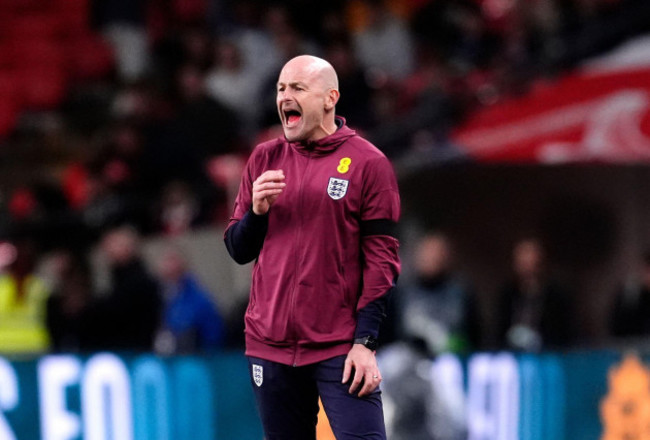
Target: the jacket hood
(328, 144)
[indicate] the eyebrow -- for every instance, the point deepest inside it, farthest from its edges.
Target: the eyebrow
(291, 84)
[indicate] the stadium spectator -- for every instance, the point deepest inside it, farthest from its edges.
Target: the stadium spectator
(253, 39)
(69, 319)
(123, 24)
(235, 84)
(288, 41)
(128, 315)
(123, 162)
(179, 211)
(23, 300)
(184, 45)
(199, 127)
(384, 45)
(191, 321)
(356, 93)
(438, 310)
(630, 316)
(535, 313)
(421, 107)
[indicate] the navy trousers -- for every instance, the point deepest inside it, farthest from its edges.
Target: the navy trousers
(287, 399)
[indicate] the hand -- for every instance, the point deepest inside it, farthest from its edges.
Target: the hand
(266, 189)
(365, 368)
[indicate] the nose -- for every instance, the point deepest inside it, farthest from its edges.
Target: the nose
(284, 95)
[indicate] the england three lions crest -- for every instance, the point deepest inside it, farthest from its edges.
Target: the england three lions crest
(258, 374)
(337, 188)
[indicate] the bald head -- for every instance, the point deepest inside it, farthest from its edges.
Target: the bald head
(307, 96)
(316, 68)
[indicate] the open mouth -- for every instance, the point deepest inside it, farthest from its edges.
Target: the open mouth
(292, 117)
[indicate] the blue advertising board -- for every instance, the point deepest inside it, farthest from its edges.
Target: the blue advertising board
(486, 396)
(104, 396)
(584, 395)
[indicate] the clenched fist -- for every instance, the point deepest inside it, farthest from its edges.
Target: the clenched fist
(266, 189)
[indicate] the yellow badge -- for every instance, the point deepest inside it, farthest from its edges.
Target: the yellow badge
(344, 165)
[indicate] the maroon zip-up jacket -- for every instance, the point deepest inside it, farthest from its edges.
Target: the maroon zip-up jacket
(326, 252)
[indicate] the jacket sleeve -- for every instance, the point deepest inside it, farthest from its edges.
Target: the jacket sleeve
(379, 246)
(244, 238)
(245, 233)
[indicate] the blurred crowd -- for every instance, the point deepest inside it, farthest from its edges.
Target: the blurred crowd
(438, 311)
(51, 302)
(157, 132)
(152, 141)
(128, 120)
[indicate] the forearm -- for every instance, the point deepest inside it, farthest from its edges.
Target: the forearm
(370, 317)
(244, 239)
(380, 272)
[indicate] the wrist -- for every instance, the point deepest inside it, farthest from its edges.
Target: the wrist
(257, 214)
(367, 341)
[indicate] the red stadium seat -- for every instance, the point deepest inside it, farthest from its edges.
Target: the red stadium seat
(74, 14)
(10, 94)
(8, 116)
(90, 57)
(30, 26)
(6, 55)
(78, 6)
(74, 24)
(42, 88)
(22, 6)
(40, 52)
(188, 11)
(44, 43)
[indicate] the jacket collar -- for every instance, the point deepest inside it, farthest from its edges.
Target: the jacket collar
(328, 144)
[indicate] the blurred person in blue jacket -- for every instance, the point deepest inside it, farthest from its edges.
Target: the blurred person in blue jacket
(190, 319)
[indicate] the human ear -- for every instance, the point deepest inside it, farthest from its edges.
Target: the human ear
(331, 99)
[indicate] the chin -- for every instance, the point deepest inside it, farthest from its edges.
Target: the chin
(293, 137)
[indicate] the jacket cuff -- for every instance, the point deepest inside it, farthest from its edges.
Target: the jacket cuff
(252, 220)
(245, 238)
(369, 319)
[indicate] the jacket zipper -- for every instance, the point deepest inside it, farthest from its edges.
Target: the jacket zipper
(292, 299)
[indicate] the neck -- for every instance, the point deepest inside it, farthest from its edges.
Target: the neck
(328, 127)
